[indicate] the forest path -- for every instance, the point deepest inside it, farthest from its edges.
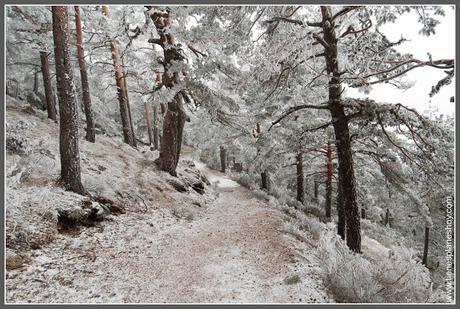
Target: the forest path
(234, 253)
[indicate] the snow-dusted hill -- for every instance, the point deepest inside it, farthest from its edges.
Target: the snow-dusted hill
(227, 245)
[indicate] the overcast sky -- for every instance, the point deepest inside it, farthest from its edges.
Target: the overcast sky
(441, 46)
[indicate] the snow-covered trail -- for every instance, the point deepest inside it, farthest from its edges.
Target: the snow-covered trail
(235, 253)
(232, 252)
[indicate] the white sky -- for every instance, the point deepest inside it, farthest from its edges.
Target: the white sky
(441, 46)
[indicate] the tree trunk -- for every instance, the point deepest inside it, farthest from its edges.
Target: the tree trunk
(342, 134)
(125, 86)
(90, 127)
(265, 180)
(171, 141)
(68, 126)
(425, 247)
(340, 212)
(174, 121)
(122, 99)
(328, 180)
(156, 133)
(50, 102)
(300, 178)
(223, 159)
(315, 190)
(149, 124)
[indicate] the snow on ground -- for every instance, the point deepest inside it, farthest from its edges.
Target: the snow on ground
(225, 246)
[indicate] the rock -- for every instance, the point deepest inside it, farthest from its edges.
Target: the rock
(13, 260)
(198, 187)
(178, 185)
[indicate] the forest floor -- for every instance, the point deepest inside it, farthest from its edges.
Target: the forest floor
(226, 246)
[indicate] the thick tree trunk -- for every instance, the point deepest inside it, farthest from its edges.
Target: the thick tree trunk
(50, 102)
(425, 247)
(342, 134)
(90, 127)
(300, 178)
(174, 121)
(149, 124)
(156, 132)
(171, 141)
(328, 181)
(68, 126)
(128, 134)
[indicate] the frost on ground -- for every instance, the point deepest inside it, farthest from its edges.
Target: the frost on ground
(226, 245)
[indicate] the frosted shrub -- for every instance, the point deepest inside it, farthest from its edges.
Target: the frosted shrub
(353, 278)
(16, 142)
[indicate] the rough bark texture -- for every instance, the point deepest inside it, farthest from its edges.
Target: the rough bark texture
(174, 121)
(90, 127)
(50, 102)
(300, 178)
(68, 127)
(149, 123)
(425, 247)
(128, 134)
(328, 180)
(342, 134)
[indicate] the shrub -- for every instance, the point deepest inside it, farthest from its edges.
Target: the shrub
(353, 278)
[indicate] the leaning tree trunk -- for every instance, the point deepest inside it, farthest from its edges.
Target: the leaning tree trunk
(174, 120)
(328, 180)
(128, 134)
(90, 127)
(342, 133)
(300, 178)
(68, 125)
(125, 86)
(49, 96)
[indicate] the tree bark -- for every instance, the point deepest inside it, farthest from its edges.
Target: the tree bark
(265, 180)
(342, 134)
(315, 190)
(425, 247)
(328, 180)
(149, 124)
(340, 212)
(300, 178)
(174, 121)
(68, 126)
(363, 213)
(125, 86)
(90, 127)
(223, 159)
(49, 96)
(128, 134)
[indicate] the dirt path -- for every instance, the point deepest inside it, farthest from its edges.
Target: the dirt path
(233, 252)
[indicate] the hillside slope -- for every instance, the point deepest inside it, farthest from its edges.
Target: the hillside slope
(226, 245)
